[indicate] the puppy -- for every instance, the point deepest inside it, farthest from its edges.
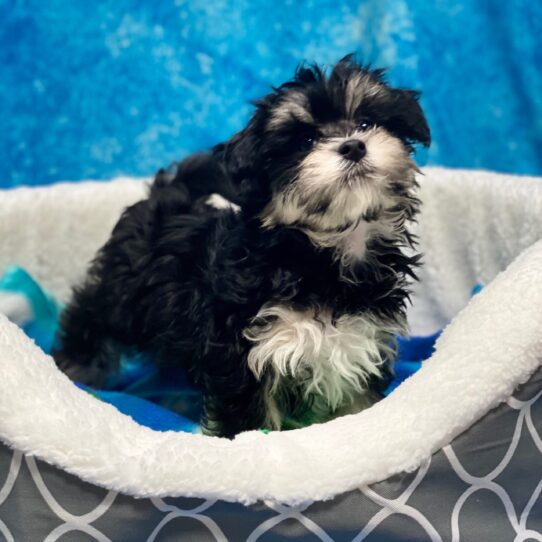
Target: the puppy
(273, 269)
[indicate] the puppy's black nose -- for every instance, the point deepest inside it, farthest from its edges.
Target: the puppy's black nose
(353, 149)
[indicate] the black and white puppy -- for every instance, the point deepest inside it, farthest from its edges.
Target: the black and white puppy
(280, 294)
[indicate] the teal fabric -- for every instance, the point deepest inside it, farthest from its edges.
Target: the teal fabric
(45, 310)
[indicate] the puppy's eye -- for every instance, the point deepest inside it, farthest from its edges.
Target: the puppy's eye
(365, 124)
(307, 142)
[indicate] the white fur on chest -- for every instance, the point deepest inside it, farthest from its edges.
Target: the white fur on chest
(332, 358)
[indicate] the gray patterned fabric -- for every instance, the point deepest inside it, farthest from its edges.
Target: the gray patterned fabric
(485, 486)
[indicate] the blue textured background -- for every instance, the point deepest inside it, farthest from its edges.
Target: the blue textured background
(93, 89)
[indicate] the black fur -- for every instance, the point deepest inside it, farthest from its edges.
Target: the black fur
(182, 280)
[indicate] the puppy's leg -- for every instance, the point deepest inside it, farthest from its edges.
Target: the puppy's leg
(232, 403)
(87, 353)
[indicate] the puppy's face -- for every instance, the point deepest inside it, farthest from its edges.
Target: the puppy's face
(335, 149)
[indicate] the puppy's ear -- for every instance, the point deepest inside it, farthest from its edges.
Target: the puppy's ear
(240, 158)
(407, 117)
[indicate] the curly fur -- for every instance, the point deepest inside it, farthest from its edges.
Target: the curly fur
(286, 301)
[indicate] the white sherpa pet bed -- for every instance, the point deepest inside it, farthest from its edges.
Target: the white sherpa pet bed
(455, 453)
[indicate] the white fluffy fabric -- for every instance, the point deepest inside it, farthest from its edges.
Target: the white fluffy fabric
(473, 226)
